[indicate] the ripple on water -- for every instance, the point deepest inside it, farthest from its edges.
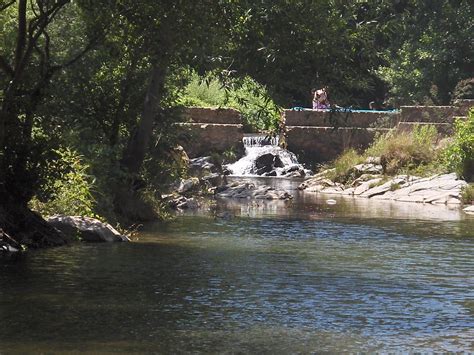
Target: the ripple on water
(250, 285)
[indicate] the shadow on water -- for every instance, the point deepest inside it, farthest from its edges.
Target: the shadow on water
(259, 277)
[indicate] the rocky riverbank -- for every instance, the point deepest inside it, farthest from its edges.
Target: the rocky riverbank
(368, 182)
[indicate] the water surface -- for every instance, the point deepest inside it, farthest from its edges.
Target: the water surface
(258, 277)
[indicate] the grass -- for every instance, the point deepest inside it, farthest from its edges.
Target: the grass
(467, 194)
(342, 168)
(411, 153)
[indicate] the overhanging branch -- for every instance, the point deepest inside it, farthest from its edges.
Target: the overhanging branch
(6, 5)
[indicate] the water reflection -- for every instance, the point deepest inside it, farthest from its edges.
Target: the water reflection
(279, 277)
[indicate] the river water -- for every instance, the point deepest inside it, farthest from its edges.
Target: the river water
(257, 277)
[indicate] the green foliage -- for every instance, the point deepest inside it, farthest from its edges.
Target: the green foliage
(406, 152)
(69, 191)
(430, 51)
(467, 194)
(341, 170)
(459, 155)
(258, 110)
(464, 89)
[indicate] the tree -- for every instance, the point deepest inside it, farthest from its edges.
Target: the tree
(430, 53)
(28, 62)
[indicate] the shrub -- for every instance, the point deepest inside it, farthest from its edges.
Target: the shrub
(69, 189)
(464, 89)
(467, 194)
(405, 151)
(342, 168)
(459, 155)
(258, 110)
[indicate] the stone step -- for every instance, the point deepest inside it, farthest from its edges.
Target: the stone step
(212, 115)
(434, 114)
(316, 118)
(442, 128)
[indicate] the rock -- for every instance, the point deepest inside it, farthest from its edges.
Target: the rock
(294, 171)
(86, 228)
(188, 203)
(250, 191)
(373, 160)
(368, 168)
(469, 209)
(363, 178)
(212, 180)
(316, 184)
(202, 166)
(378, 190)
(333, 190)
(349, 191)
(363, 187)
(271, 173)
(188, 184)
(266, 163)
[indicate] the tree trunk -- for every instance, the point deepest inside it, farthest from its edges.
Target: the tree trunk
(138, 144)
(127, 202)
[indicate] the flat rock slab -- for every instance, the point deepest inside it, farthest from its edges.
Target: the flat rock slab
(469, 209)
(438, 189)
(250, 191)
(86, 228)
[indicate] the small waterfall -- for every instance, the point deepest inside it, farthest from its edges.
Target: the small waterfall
(260, 140)
(263, 157)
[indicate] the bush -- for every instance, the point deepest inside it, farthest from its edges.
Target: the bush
(259, 112)
(342, 168)
(69, 189)
(459, 155)
(464, 89)
(405, 152)
(467, 194)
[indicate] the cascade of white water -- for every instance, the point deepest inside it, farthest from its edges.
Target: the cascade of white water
(260, 140)
(258, 146)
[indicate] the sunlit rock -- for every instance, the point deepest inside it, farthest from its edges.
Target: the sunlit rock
(86, 228)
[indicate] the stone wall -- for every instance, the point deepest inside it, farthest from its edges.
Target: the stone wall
(321, 144)
(341, 119)
(431, 114)
(319, 136)
(212, 115)
(209, 130)
(316, 136)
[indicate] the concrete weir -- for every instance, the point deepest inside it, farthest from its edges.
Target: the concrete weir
(208, 130)
(317, 136)
(313, 135)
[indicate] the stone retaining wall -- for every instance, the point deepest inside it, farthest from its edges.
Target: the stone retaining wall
(321, 144)
(432, 114)
(341, 119)
(210, 130)
(319, 136)
(212, 115)
(316, 136)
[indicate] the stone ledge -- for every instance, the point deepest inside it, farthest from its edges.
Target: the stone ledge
(433, 114)
(340, 119)
(212, 115)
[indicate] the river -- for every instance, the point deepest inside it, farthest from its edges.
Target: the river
(260, 277)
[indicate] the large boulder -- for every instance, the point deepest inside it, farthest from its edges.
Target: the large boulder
(266, 163)
(86, 229)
